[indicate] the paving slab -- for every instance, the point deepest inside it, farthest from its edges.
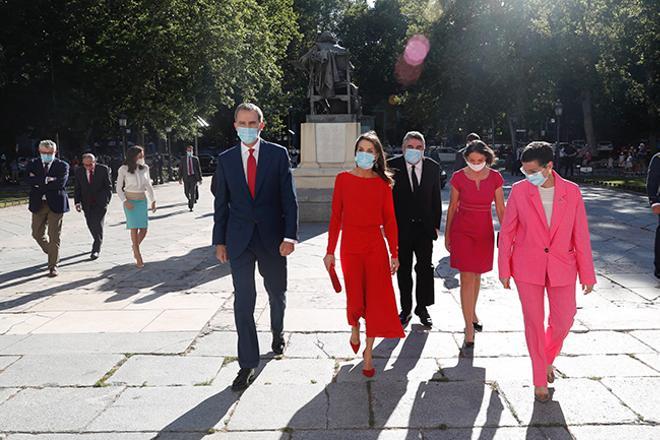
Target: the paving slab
(432, 404)
(602, 366)
(603, 342)
(180, 320)
(652, 360)
(167, 409)
(58, 370)
(110, 321)
(6, 361)
(6, 393)
(104, 436)
(649, 337)
(527, 433)
(26, 322)
(400, 369)
(639, 393)
(166, 370)
(297, 372)
(258, 435)
(497, 344)
(486, 368)
(279, 406)
(161, 342)
(225, 343)
(615, 432)
(575, 402)
(55, 409)
(350, 434)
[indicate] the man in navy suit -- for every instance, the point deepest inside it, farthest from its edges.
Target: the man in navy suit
(256, 222)
(47, 177)
(653, 190)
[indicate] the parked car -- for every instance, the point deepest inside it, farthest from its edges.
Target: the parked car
(207, 163)
(605, 146)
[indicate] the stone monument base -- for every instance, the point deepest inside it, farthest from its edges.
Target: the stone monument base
(326, 148)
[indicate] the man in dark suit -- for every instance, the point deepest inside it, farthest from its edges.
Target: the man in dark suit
(255, 222)
(459, 160)
(652, 188)
(92, 195)
(47, 177)
(190, 174)
(418, 209)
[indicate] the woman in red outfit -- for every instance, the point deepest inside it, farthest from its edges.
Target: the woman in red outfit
(469, 234)
(362, 208)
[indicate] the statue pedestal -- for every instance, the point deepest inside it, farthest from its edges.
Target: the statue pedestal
(326, 148)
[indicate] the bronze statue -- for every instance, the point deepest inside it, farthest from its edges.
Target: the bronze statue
(330, 89)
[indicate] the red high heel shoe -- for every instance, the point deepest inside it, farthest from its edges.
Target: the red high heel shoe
(369, 373)
(355, 347)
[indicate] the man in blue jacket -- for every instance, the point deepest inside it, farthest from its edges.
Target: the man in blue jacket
(47, 177)
(256, 222)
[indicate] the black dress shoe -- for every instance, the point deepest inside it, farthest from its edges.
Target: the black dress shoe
(278, 345)
(424, 317)
(243, 380)
(94, 255)
(477, 326)
(405, 318)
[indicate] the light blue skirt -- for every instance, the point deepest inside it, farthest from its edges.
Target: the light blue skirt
(137, 218)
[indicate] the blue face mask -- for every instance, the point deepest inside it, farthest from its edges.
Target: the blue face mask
(189, 153)
(248, 135)
(412, 155)
(536, 179)
(47, 158)
(365, 160)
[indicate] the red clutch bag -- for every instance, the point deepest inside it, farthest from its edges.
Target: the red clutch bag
(335, 279)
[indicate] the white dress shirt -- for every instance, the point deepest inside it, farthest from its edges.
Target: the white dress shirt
(245, 154)
(418, 171)
(137, 182)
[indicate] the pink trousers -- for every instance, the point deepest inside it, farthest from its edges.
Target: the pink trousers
(545, 344)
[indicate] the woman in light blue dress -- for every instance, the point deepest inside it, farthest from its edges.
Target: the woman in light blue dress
(134, 188)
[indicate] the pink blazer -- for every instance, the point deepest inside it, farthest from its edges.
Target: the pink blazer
(533, 253)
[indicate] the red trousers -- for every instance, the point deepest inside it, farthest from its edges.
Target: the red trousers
(545, 344)
(370, 294)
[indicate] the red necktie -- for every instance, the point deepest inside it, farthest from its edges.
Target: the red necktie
(91, 176)
(190, 170)
(252, 172)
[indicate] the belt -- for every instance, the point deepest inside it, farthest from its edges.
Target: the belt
(474, 207)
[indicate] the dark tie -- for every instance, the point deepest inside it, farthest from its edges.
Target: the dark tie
(415, 182)
(190, 168)
(91, 177)
(252, 172)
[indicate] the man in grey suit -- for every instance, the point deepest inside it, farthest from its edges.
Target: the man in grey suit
(190, 175)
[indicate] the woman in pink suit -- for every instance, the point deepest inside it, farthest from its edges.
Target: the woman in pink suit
(544, 245)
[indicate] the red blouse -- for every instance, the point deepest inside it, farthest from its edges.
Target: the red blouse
(360, 207)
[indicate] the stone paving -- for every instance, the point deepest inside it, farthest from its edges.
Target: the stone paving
(107, 351)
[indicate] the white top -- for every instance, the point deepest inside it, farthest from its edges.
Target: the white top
(245, 154)
(138, 182)
(418, 171)
(547, 199)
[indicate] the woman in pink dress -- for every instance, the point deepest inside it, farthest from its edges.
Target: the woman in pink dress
(469, 234)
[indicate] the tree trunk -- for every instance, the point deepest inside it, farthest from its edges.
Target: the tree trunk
(589, 133)
(512, 132)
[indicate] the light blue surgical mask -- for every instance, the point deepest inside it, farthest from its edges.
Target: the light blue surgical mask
(365, 160)
(413, 156)
(189, 153)
(536, 179)
(47, 158)
(248, 135)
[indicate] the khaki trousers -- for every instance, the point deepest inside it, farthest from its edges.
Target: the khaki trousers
(51, 245)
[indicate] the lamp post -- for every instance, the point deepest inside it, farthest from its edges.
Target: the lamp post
(122, 126)
(168, 130)
(559, 109)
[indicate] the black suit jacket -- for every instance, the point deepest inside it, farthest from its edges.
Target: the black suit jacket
(100, 191)
(427, 199)
(55, 190)
(183, 168)
(653, 180)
